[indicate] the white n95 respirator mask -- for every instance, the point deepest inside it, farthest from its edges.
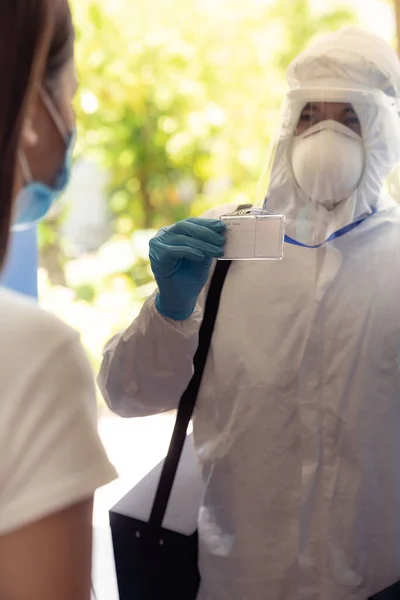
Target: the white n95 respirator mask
(328, 163)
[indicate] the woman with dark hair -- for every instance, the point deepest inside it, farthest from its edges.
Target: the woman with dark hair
(51, 458)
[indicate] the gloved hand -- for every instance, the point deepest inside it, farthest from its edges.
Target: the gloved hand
(180, 257)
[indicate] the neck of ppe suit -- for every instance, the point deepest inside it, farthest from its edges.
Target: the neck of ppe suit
(334, 236)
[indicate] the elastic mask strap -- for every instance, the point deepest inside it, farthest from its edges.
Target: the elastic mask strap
(55, 115)
(329, 125)
(334, 236)
(26, 171)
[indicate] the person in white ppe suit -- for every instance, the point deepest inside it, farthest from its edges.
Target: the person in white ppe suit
(297, 424)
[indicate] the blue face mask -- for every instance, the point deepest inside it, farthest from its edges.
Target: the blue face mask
(36, 198)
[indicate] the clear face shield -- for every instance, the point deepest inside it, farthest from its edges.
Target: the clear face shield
(329, 164)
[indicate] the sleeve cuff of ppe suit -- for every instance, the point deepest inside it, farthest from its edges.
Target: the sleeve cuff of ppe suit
(175, 316)
(150, 318)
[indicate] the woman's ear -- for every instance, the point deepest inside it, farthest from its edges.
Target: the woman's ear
(29, 134)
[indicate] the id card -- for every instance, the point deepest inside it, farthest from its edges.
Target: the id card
(254, 236)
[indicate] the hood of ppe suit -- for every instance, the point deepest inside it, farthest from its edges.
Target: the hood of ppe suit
(355, 60)
(350, 54)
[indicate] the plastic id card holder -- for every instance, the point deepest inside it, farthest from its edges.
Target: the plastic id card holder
(254, 236)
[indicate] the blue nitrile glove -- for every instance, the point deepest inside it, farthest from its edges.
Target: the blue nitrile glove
(180, 257)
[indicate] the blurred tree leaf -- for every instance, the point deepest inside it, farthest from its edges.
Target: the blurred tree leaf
(177, 93)
(302, 23)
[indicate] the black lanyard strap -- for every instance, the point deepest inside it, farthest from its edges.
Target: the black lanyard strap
(189, 396)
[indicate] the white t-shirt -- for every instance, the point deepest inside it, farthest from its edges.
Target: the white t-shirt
(51, 456)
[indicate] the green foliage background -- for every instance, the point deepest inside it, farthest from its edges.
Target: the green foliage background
(173, 95)
(185, 90)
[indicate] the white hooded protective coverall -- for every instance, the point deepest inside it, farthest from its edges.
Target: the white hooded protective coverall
(297, 426)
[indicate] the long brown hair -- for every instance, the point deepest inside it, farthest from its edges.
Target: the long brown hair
(36, 41)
